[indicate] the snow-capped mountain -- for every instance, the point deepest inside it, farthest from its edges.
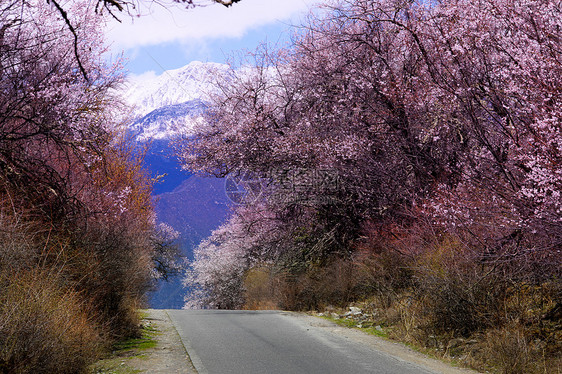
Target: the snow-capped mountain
(148, 92)
(168, 121)
(171, 103)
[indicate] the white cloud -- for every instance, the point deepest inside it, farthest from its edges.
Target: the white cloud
(133, 79)
(174, 23)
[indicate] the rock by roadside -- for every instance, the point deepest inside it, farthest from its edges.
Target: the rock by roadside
(168, 356)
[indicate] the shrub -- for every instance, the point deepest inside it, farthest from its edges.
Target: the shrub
(44, 328)
(508, 349)
(261, 289)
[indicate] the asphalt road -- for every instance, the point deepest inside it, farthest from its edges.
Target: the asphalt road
(275, 342)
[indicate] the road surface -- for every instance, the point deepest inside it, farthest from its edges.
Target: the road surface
(275, 342)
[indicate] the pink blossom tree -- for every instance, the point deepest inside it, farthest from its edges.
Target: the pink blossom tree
(496, 65)
(447, 109)
(51, 119)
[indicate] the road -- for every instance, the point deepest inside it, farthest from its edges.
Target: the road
(275, 342)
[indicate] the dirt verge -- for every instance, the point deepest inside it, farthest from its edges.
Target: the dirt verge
(162, 353)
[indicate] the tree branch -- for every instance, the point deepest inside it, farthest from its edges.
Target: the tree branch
(73, 31)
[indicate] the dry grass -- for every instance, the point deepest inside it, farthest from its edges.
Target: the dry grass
(61, 304)
(44, 328)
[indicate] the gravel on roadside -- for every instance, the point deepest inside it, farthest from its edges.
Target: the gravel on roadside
(167, 356)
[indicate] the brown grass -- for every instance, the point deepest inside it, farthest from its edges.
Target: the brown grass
(44, 328)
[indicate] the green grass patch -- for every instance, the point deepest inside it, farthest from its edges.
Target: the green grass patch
(113, 368)
(146, 341)
(380, 332)
(365, 326)
(126, 350)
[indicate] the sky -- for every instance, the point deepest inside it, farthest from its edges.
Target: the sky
(169, 37)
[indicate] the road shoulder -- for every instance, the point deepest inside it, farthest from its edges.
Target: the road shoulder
(166, 356)
(395, 349)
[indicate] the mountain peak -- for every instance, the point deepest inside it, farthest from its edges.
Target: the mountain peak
(161, 104)
(148, 91)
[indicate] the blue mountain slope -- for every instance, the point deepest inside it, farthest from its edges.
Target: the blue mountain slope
(161, 162)
(195, 208)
